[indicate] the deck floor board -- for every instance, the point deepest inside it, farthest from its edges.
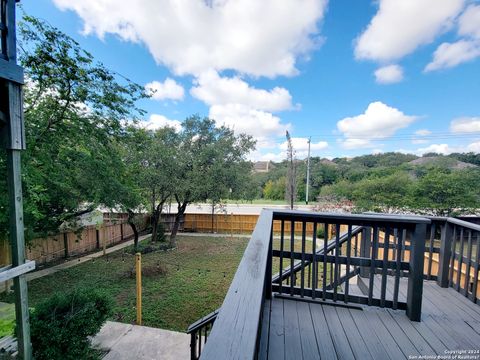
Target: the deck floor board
(302, 330)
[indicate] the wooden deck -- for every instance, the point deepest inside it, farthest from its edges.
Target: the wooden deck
(294, 329)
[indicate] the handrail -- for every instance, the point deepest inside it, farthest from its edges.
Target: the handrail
(200, 329)
(330, 246)
(463, 223)
(235, 333)
(354, 219)
(201, 322)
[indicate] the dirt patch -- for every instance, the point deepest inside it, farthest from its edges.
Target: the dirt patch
(149, 271)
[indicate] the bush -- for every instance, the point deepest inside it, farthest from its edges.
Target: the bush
(320, 232)
(61, 325)
(160, 231)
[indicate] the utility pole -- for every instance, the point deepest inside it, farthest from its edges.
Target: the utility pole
(308, 170)
(12, 134)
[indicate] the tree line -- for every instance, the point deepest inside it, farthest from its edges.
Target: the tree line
(433, 183)
(86, 148)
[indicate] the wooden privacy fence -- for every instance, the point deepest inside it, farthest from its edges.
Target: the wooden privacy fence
(64, 245)
(232, 223)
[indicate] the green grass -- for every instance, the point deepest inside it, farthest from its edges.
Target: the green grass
(198, 274)
(7, 319)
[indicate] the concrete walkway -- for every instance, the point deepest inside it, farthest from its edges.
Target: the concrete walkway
(127, 342)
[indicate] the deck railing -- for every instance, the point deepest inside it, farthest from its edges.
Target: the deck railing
(317, 266)
(364, 246)
(370, 244)
(460, 257)
(199, 332)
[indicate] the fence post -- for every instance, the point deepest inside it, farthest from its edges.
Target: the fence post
(445, 254)
(365, 245)
(97, 237)
(65, 244)
(138, 272)
(104, 241)
(121, 231)
(415, 275)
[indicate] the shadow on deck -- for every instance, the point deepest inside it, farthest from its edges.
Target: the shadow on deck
(296, 329)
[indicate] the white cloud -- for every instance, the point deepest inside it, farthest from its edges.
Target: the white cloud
(400, 27)
(260, 38)
(449, 55)
(423, 132)
(215, 90)
(379, 121)
(244, 119)
(469, 22)
(276, 157)
(157, 121)
(169, 89)
(474, 147)
(353, 143)
(389, 74)
(301, 145)
(436, 148)
(465, 125)
(446, 149)
(420, 141)
(420, 133)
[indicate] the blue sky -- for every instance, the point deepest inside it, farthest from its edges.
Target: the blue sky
(357, 76)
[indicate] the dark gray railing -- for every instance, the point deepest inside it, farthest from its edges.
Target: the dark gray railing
(460, 257)
(235, 333)
(384, 242)
(199, 332)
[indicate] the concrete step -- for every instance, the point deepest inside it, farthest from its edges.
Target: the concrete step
(126, 342)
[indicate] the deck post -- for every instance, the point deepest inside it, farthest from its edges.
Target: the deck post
(365, 245)
(445, 255)
(268, 270)
(415, 275)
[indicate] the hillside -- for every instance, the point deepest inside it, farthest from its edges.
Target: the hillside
(395, 180)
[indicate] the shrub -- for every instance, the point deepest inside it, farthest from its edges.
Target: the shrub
(320, 232)
(61, 325)
(160, 231)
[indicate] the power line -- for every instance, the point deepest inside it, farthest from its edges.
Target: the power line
(404, 136)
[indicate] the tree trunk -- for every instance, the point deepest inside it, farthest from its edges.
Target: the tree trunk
(176, 224)
(154, 226)
(157, 212)
(131, 222)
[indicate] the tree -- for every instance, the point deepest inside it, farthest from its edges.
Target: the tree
(291, 189)
(74, 110)
(209, 160)
(446, 191)
(156, 175)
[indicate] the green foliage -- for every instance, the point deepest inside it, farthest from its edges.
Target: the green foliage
(74, 113)
(445, 190)
(160, 231)
(61, 325)
(321, 232)
(275, 190)
(7, 319)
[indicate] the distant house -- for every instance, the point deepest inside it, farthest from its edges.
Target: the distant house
(262, 166)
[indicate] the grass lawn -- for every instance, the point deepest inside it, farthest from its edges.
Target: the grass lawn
(7, 319)
(179, 286)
